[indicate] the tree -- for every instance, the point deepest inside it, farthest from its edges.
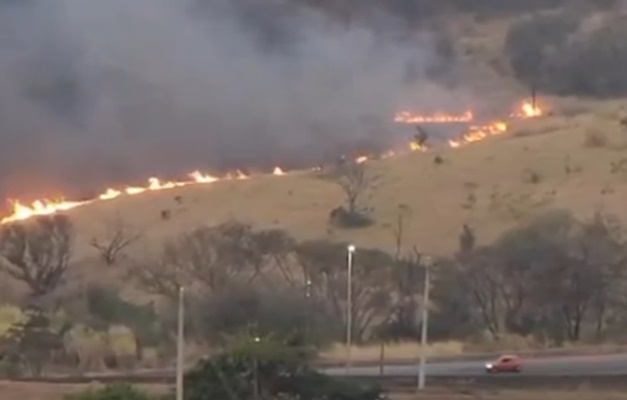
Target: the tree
(116, 240)
(211, 259)
(282, 312)
(467, 240)
(325, 263)
(356, 181)
(32, 342)
(267, 368)
(38, 252)
(105, 308)
(399, 227)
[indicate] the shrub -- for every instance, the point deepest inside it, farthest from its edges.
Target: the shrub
(595, 139)
(112, 392)
(283, 313)
(9, 316)
(343, 218)
(273, 369)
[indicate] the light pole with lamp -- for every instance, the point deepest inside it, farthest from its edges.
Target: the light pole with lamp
(427, 263)
(349, 304)
(180, 346)
(257, 340)
(308, 306)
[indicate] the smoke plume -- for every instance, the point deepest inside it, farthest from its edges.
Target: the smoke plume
(98, 92)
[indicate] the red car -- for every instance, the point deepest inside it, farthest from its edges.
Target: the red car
(507, 363)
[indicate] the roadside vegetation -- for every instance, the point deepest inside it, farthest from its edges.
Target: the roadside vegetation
(552, 280)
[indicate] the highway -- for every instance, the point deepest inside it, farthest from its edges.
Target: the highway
(569, 366)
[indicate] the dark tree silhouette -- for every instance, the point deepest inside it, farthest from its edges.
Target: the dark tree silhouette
(37, 252)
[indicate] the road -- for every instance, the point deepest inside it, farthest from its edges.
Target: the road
(598, 365)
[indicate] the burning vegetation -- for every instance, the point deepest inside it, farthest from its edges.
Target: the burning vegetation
(474, 133)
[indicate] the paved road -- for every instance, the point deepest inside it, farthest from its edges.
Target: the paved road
(553, 366)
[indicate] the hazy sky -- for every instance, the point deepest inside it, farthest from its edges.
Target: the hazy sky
(94, 92)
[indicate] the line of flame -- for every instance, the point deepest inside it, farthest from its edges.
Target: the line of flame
(22, 211)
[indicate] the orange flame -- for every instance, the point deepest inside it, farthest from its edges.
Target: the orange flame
(278, 171)
(528, 110)
(22, 211)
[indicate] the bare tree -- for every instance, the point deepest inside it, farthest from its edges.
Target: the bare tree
(325, 263)
(214, 258)
(467, 240)
(355, 180)
(116, 240)
(37, 252)
(398, 229)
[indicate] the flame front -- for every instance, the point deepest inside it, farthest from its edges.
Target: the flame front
(23, 211)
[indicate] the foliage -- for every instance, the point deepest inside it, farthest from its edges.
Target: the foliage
(554, 277)
(105, 308)
(356, 183)
(284, 313)
(9, 316)
(37, 253)
(112, 392)
(268, 369)
(546, 278)
(32, 342)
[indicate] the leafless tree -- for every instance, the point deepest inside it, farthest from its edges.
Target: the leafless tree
(37, 252)
(355, 180)
(213, 258)
(325, 263)
(467, 240)
(398, 229)
(116, 240)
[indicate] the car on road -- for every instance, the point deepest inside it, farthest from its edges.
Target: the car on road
(505, 363)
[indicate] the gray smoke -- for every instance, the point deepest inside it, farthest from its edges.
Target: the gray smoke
(96, 92)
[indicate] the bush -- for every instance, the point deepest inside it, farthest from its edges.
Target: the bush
(274, 370)
(343, 218)
(595, 139)
(281, 312)
(112, 392)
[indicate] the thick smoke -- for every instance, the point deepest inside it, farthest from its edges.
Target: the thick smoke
(96, 92)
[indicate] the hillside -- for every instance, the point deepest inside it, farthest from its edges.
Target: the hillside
(559, 161)
(538, 164)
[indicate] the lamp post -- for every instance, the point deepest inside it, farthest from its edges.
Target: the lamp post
(257, 339)
(426, 262)
(349, 304)
(308, 306)
(180, 346)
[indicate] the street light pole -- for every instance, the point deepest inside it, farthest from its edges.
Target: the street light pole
(180, 348)
(349, 305)
(308, 306)
(427, 262)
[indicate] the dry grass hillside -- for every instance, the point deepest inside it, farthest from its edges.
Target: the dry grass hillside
(574, 159)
